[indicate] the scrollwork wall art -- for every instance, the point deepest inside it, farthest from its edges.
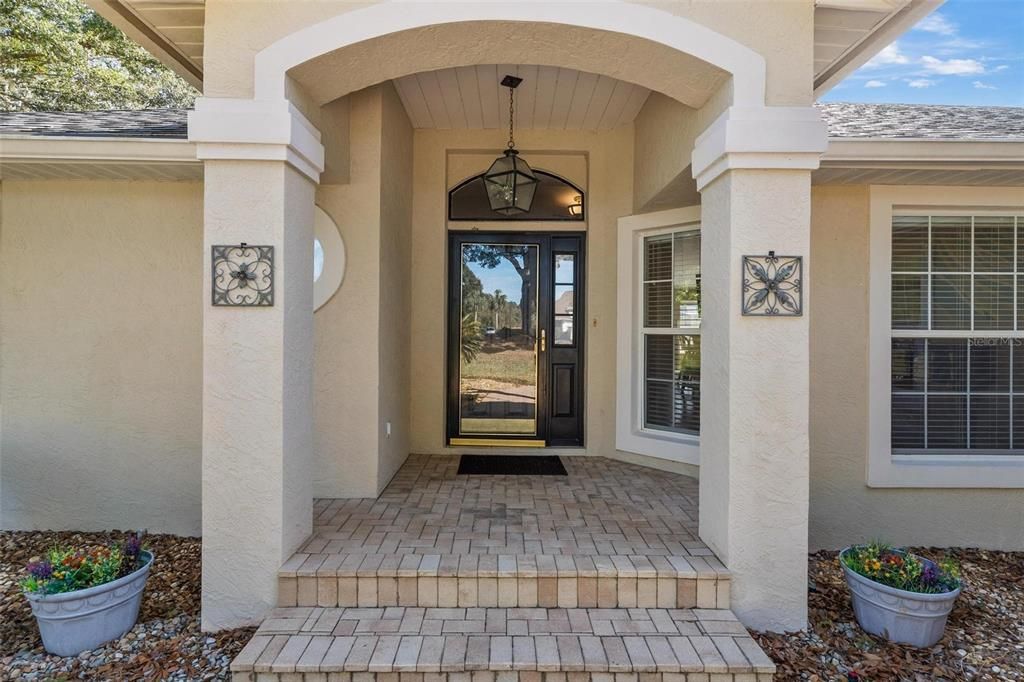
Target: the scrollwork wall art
(773, 285)
(243, 275)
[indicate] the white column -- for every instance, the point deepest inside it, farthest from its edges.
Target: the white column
(753, 171)
(261, 163)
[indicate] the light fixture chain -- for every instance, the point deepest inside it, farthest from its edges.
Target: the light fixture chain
(511, 118)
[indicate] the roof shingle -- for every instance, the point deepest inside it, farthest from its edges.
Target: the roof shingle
(844, 120)
(153, 123)
(922, 121)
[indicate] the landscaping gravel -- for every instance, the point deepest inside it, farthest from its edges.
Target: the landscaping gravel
(984, 637)
(166, 643)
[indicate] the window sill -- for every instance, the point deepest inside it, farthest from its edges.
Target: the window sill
(664, 445)
(946, 471)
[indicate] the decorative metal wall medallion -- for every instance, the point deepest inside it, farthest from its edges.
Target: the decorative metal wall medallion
(773, 285)
(243, 275)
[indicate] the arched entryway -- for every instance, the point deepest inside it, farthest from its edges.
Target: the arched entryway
(263, 156)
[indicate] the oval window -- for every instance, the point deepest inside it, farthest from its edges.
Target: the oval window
(318, 258)
(328, 258)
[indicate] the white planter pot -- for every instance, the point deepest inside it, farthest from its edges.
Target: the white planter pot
(898, 615)
(73, 622)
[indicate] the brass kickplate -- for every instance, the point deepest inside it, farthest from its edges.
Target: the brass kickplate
(497, 442)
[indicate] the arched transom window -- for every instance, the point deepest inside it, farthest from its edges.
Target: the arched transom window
(556, 199)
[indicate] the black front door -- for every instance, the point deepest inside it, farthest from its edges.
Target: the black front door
(515, 338)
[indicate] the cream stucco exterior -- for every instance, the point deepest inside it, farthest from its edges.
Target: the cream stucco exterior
(128, 455)
(372, 207)
(100, 355)
(251, 413)
(844, 507)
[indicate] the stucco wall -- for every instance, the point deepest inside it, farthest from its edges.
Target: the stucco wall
(361, 334)
(665, 131)
(100, 355)
(843, 509)
(395, 282)
(345, 328)
(782, 32)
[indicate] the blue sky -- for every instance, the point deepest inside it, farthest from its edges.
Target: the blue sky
(503, 277)
(966, 52)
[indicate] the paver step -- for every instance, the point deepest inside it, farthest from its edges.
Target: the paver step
(489, 580)
(501, 645)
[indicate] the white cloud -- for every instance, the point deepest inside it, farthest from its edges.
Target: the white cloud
(936, 23)
(920, 82)
(952, 67)
(874, 84)
(978, 85)
(1001, 67)
(891, 54)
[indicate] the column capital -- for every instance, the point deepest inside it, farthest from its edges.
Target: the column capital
(759, 138)
(226, 128)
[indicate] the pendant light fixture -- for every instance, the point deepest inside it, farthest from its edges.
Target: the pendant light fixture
(510, 182)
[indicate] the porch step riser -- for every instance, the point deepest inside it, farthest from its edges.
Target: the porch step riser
(705, 593)
(504, 676)
(496, 644)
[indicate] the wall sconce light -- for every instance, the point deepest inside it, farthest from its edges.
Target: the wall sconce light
(576, 207)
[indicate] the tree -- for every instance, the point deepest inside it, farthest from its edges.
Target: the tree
(60, 55)
(522, 259)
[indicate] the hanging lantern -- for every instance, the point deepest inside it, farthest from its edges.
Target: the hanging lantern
(510, 182)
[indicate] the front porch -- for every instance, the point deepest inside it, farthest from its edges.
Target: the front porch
(597, 572)
(610, 534)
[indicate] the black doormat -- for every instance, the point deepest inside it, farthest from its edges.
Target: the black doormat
(510, 465)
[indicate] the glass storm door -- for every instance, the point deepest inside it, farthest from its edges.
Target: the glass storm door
(513, 339)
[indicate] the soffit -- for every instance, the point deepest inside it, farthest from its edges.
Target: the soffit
(35, 157)
(172, 30)
(847, 33)
(549, 97)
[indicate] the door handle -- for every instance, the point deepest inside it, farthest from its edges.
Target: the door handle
(543, 340)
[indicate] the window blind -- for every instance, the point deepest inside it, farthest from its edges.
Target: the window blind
(671, 332)
(957, 343)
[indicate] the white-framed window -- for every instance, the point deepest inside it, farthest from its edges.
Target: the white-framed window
(670, 330)
(658, 388)
(947, 341)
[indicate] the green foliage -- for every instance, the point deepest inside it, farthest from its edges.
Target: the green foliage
(65, 569)
(900, 569)
(59, 55)
(472, 341)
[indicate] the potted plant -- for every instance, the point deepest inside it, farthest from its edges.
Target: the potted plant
(898, 595)
(83, 598)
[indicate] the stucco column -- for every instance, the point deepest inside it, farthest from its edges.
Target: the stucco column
(261, 163)
(753, 171)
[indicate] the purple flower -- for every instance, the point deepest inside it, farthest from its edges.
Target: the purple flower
(132, 545)
(930, 574)
(40, 570)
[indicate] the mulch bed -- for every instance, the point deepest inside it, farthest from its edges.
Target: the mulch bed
(165, 644)
(984, 637)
